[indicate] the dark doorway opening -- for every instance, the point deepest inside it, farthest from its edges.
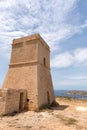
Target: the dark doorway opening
(48, 97)
(21, 102)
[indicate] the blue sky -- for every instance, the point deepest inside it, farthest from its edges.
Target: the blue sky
(62, 24)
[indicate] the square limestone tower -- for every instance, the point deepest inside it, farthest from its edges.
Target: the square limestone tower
(29, 69)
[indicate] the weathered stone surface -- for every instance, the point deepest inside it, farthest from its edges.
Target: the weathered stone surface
(29, 70)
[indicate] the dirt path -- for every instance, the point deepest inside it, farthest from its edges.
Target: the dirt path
(70, 115)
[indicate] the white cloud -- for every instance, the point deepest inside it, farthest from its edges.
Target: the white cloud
(80, 77)
(84, 25)
(50, 19)
(47, 18)
(77, 58)
(81, 55)
(71, 82)
(62, 60)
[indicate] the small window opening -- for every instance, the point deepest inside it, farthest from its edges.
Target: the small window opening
(48, 97)
(44, 60)
(27, 100)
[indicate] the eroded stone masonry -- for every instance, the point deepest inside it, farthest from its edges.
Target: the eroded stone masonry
(28, 84)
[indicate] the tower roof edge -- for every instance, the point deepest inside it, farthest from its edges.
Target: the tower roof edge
(30, 38)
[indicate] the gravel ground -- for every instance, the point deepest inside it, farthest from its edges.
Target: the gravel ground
(70, 115)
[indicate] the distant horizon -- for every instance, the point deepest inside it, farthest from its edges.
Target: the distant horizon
(69, 90)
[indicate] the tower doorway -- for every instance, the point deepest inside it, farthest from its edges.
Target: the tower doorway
(48, 98)
(21, 102)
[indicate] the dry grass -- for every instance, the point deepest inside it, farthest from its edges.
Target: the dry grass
(63, 117)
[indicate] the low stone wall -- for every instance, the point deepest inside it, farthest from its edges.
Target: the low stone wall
(10, 100)
(2, 106)
(2, 101)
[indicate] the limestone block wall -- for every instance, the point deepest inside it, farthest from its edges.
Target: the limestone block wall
(43, 54)
(10, 101)
(24, 77)
(22, 73)
(23, 51)
(30, 77)
(29, 69)
(2, 102)
(45, 86)
(2, 106)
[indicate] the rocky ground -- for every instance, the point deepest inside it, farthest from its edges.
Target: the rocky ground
(70, 115)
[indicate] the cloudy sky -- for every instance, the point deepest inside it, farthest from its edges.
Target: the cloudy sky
(62, 24)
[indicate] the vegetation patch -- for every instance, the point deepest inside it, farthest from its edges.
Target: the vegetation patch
(48, 107)
(42, 127)
(29, 127)
(71, 121)
(67, 121)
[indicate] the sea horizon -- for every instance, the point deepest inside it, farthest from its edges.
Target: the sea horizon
(67, 93)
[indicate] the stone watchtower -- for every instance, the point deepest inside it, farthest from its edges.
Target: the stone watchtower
(29, 70)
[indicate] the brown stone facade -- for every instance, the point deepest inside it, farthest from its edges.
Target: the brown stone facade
(28, 77)
(12, 101)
